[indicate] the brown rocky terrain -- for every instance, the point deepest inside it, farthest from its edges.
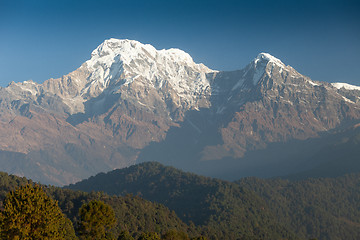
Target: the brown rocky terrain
(131, 102)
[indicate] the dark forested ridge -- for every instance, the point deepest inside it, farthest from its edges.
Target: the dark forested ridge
(133, 213)
(323, 208)
(251, 208)
(228, 209)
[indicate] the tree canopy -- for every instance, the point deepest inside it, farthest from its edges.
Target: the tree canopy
(96, 219)
(30, 214)
(149, 236)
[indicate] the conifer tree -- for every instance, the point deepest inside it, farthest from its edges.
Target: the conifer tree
(96, 220)
(30, 214)
(149, 236)
(125, 235)
(175, 235)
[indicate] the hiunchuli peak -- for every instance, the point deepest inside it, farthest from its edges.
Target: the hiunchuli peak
(263, 64)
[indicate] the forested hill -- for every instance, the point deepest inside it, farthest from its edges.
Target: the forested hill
(228, 210)
(312, 208)
(133, 214)
(325, 208)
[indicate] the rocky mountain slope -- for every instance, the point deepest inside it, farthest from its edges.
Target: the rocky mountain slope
(130, 102)
(265, 120)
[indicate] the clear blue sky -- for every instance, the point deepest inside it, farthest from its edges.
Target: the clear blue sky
(49, 38)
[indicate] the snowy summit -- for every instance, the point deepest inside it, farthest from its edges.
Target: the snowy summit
(269, 59)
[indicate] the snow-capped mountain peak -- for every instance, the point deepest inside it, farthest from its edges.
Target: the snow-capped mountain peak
(117, 63)
(267, 58)
(120, 62)
(128, 51)
(129, 95)
(263, 63)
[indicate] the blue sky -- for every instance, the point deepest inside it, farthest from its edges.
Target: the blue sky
(49, 38)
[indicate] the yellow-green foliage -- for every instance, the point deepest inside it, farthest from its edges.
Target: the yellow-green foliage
(30, 214)
(149, 236)
(175, 235)
(125, 235)
(96, 220)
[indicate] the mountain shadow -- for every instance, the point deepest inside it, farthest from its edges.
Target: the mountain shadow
(94, 107)
(331, 154)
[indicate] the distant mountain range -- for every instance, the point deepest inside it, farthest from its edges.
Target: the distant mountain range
(131, 103)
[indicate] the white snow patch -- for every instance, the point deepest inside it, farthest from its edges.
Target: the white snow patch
(26, 86)
(347, 100)
(142, 104)
(313, 83)
(346, 86)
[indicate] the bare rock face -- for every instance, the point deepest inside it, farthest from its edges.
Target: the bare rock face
(130, 98)
(273, 103)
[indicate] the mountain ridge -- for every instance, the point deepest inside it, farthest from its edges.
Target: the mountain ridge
(129, 97)
(321, 208)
